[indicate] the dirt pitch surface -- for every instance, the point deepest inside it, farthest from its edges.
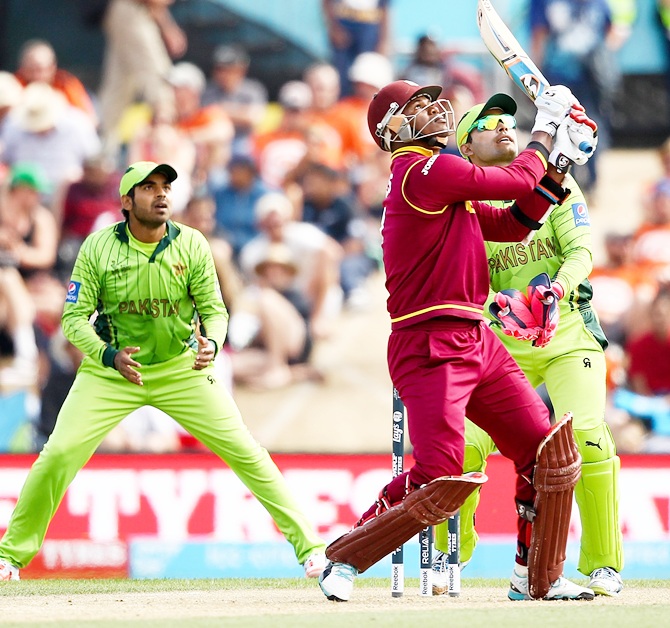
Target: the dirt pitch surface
(279, 601)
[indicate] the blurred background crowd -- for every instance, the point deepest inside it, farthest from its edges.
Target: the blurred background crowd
(281, 175)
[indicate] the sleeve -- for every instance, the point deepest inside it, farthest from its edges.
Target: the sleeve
(573, 230)
(206, 292)
(80, 303)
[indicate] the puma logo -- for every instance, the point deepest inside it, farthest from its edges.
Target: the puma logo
(590, 443)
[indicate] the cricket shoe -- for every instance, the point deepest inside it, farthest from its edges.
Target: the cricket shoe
(561, 589)
(315, 564)
(337, 581)
(606, 581)
(440, 573)
(8, 571)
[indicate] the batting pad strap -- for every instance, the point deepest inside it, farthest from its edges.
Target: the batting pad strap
(430, 504)
(551, 190)
(526, 221)
(556, 473)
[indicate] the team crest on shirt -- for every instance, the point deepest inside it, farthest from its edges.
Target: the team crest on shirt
(581, 215)
(72, 292)
(179, 269)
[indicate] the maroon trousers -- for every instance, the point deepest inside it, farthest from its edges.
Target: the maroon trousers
(447, 369)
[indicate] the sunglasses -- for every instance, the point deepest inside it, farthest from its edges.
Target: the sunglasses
(490, 122)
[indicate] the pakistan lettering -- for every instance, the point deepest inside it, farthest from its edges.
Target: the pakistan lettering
(518, 254)
(150, 307)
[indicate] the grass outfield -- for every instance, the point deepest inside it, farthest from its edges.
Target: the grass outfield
(293, 603)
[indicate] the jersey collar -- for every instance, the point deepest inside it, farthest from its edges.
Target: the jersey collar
(171, 233)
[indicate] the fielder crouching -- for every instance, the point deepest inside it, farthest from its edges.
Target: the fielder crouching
(444, 360)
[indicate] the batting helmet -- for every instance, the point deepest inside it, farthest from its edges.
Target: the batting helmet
(385, 108)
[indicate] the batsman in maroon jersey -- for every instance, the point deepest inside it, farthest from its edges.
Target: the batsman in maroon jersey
(443, 358)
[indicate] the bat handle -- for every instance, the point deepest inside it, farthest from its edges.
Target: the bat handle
(585, 147)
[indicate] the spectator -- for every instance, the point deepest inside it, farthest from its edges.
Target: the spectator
(84, 201)
(47, 131)
(243, 98)
(317, 257)
(329, 205)
(620, 288)
(353, 28)
(426, 66)
(208, 127)
(28, 230)
(19, 393)
(235, 202)
(648, 371)
(10, 96)
(574, 43)
(651, 245)
(141, 38)
(277, 152)
(200, 214)
(38, 64)
(269, 331)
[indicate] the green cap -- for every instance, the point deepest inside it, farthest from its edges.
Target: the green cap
(497, 101)
(28, 175)
(140, 171)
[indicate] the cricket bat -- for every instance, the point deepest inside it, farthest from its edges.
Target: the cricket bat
(507, 51)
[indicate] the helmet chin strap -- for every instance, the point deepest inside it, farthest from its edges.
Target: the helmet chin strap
(433, 141)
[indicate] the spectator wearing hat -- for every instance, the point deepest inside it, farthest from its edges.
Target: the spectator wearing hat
(235, 202)
(317, 257)
(28, 231)
(244, 99)
(45, 130)
(269, 330)
(38, 63)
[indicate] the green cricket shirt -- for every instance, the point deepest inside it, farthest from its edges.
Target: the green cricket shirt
(146, 295)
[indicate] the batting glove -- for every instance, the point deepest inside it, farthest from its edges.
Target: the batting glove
(576, 140)
(512, 310)
(543, 296)
(553, 105)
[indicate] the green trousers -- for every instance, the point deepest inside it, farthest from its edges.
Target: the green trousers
(100, 399)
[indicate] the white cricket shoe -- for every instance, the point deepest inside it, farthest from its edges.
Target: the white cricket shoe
(8, 571)
(561, 589)
(315, 564)
(606, 581)
(337, 581)
(440, 573)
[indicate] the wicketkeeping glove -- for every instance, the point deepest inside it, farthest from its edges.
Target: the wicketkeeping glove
(511, 308)
(543, 296)
(553, 105)
(576, 140)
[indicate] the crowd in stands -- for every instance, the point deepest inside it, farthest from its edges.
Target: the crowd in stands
(288, 194)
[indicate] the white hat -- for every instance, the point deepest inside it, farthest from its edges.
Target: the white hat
(10, 90)
(40, 107)
(371, 68)
(185, 74)
(295, 95)
(273, 202)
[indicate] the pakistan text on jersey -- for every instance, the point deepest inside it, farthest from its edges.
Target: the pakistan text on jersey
(519, 254)
(150, 307)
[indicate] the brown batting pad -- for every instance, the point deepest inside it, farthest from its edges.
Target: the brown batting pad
(556, 473)
(431, 504)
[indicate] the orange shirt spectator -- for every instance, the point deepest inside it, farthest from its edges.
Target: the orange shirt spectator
(37, 63)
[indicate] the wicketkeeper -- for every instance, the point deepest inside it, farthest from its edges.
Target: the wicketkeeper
(540, 291)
